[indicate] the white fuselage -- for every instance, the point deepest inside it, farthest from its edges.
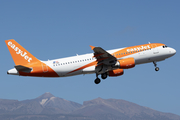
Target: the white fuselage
(74, 65)
(105, 63)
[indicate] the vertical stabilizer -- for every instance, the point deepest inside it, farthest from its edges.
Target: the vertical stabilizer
(19, 54)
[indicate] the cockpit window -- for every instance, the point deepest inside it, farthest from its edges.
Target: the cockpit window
(164, 46)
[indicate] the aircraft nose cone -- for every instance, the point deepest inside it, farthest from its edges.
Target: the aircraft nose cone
(172, 51)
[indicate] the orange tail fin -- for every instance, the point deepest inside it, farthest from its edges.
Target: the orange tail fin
(19, 54)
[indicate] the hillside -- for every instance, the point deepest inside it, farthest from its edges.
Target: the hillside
(47, 106)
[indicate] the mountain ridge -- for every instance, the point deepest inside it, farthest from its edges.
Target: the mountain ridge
(48, 106)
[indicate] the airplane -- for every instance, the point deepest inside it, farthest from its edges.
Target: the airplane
(105, 63)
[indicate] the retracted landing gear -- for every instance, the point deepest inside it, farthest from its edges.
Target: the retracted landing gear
(157, 68)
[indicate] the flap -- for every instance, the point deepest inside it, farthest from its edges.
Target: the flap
(103, 56)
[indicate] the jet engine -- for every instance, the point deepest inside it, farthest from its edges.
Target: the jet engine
(117, 72)
(125, 63)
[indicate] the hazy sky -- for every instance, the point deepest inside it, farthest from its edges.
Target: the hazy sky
(62, 28)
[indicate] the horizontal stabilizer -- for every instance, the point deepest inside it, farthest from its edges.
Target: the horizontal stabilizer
(23, 68)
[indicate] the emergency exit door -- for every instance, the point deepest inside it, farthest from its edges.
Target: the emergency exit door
(44, 67)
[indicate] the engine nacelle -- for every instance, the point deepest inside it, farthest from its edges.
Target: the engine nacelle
(125, 63)
(117, 72)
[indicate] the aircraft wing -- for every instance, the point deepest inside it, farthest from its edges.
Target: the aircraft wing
(103, 56)
(23, 68)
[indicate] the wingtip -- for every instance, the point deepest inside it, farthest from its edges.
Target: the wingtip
(92, 47)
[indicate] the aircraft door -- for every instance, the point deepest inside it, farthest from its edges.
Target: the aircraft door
(155, 49)
(44, 68)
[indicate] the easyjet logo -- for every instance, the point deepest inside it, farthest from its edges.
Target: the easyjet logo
(19, 51)
(138, 48)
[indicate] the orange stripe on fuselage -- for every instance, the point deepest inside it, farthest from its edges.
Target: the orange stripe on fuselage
(123, 53)
(135, 49)
(85, 66)
(22, 57)
(40, 69)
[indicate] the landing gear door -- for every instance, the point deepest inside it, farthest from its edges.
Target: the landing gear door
(155, 49)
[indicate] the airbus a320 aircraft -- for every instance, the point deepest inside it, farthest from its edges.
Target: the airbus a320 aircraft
(105, 63)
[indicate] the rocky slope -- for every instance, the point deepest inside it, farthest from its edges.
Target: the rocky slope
(47, 106)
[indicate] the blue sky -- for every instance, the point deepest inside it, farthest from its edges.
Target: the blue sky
(59, 28)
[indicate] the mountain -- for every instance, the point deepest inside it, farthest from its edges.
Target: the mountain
(44, 104)
(54, 105)
(121, 109)
(47, 107)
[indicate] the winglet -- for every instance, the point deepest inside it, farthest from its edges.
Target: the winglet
(92, 47)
